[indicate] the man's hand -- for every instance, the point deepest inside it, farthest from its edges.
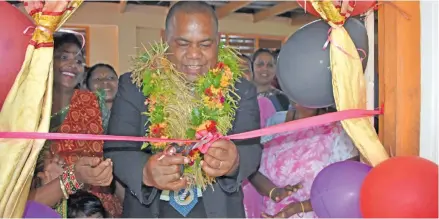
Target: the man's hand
(164, 173)
(93, 171)
(221, 159)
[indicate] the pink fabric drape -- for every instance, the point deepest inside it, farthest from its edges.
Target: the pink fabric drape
(252, 199)
(266, 109)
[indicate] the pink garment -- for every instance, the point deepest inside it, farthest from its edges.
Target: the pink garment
(266, 109)
(252, 199)
(297, 157)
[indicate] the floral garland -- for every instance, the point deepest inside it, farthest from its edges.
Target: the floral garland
(182, 110)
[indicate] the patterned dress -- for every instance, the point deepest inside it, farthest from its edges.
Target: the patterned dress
(298, 156)
(86, 114)
(252, 198)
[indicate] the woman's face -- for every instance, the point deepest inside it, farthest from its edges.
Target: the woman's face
(68, 65)
(264, 69)
(105, 79)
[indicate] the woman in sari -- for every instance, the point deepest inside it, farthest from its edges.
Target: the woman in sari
(67, 166)
(103, 77)
(252, 199)
(264, 72)
(291, 160)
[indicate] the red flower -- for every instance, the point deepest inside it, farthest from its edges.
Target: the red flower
(191, 163)
(220, 65)
(208, 92)
(192, 152)
(222, 99)
(156, 131)
(211, 127)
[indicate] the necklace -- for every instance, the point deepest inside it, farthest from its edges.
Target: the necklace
(62, 111)
(180, 109)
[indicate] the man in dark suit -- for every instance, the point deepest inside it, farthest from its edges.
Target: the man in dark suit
(192, 34)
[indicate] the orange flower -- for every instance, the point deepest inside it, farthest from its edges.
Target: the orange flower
(157, 130)
(152, 100)
(225, 81)
(214, 90)
(215, 71)
(227, 72)
(207, 125)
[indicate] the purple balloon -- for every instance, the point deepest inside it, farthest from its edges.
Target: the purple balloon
(37, 210)
(335, 192)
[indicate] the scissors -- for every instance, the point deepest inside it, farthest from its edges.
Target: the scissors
(174, 148)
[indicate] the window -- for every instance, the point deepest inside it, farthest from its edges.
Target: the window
(245, 45)
(248, 44)
(86, 33)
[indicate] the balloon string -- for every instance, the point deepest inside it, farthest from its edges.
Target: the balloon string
(46, 30)
(329, 40)
(280, 128)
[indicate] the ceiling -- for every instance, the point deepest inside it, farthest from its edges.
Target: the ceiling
(260, 10)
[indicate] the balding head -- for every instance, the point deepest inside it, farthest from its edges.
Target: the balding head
(190, 7)
(192, 36)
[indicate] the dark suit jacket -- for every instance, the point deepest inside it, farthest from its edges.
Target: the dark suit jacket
(224, 200)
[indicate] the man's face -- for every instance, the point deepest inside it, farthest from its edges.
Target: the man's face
(193, 43)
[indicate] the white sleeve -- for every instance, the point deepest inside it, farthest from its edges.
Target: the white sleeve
(343, 148)
(277, 118)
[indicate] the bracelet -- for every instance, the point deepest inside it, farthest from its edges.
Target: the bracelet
(271, 191)
(69, 181)
(303, 210)
(63, 188)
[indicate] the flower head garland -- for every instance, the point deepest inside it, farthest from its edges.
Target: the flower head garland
(184, 110)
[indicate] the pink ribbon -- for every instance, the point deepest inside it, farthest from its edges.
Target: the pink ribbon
(209, 138)
(285, 127)
(329, 40)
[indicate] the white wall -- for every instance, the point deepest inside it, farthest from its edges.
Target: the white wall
(429, 80)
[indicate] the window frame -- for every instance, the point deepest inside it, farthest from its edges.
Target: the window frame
(256, 37)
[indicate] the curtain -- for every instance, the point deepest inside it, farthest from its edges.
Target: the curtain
(348, 80)
(27, 107)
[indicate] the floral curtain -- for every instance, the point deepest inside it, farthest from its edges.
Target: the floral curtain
(28, 105)
(348, 80)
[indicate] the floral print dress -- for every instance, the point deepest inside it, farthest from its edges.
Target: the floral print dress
(298, 156)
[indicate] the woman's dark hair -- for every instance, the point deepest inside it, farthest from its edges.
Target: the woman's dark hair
(276, 53)
(83, 204)
(63, 38)
(259, 52)
(60, 39)
(94, 67)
